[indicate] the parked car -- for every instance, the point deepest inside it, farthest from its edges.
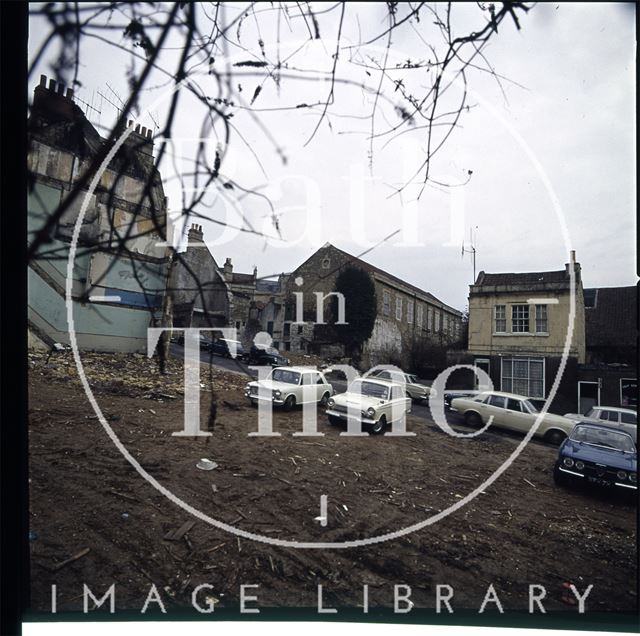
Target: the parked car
(226, 347)
(413, 389)
(599, 455)
(205, 343)
(513, 412)
(261, 354)
(450, 394)
(286, 386)
(378, 403)
(623, 419)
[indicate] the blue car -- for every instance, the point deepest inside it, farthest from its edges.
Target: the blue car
(598, 455)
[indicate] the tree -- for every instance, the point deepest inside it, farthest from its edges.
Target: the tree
(360, 309)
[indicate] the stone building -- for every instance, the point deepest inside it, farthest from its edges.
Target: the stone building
(518, 325)
(406, 316)
(199, 289)
(206, 295)
(120, 269)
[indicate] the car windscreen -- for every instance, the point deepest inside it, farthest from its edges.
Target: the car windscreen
(411, 379)
(369, 388)
(283, 375)
(603, 437)
(530, 406)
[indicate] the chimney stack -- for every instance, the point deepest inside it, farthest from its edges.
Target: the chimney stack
(195, 234)
(228, 269)
(573, 264)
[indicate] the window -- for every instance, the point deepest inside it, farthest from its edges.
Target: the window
(429, 318)
(287, 329)
(270, 327)
(524, 376)
(326, 262)
(398, 308)
(409, 311)
(497, 400)
(420, 316)
(541, 319)
(514, 405)
(520, 318)
(629, 418)
(299, 330)
(629, 392)
(437, 321)
(308, 378)
(386, 303)
(237, 324)
(287, 346)
(501, 318)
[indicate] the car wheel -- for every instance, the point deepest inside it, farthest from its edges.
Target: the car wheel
(472, 418)
(325, 399)
(333, 420)
(290, 403)
(554, 437)
(379, 426)
(254, 403)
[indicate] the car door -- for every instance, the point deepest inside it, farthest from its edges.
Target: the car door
(309, 388)
(321, 386)
(517, 417)
(398, 404)
(495, 406)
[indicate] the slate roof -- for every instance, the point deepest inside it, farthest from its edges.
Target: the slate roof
(354, 260)
(523, 278)
(613, 320)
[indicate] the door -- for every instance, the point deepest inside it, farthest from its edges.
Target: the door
(481, 363)
(516, 417)
(588, 396)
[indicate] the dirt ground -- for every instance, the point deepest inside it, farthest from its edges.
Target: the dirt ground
(84, 494)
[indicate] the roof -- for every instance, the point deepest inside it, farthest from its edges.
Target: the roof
(264, 285)
(242, 278)
(390, 278)
(613, 317)
(523, 278)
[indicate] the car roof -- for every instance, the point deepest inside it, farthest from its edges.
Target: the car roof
(617, 409)
(381, 381)
(514, 396)
(300, 369)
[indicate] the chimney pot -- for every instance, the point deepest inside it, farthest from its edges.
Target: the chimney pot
(69, 93)
(61, 89)
(144, 131)
(130, 123)
(43, 81)
(52, 85)
(137, 128)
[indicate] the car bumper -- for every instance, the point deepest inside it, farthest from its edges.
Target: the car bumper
(278, 401)
(344, 416)
(596, 480)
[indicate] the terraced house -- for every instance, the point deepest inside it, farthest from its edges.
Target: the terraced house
(518, 326)
(121, 266)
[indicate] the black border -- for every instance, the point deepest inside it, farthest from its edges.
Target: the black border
(14, 572)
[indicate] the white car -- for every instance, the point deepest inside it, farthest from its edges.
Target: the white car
(513, 412)
(412, 387)
(376, 402)
(289, 386)
(624, 419)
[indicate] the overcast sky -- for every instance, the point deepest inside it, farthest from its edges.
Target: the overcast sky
(555, 150)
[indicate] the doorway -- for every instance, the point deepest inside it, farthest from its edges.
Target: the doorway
(588, 396)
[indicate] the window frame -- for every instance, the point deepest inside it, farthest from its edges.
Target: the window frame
(496, 318)
(386, 302)
(511, 377)
(410, 310)
(398, 307)
(542, 321)
(519, 321)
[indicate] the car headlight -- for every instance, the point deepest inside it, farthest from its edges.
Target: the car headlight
(331, 403)
(579, 465)
(621, 475)
(277, 393)
(633, 477)
(371, 411)
(568, 462)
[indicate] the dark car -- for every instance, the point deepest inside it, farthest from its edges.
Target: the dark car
(226, 347)
(260, 354)
(205, 343)
(597, 455)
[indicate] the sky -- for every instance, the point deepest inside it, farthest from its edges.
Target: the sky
(551, 149)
